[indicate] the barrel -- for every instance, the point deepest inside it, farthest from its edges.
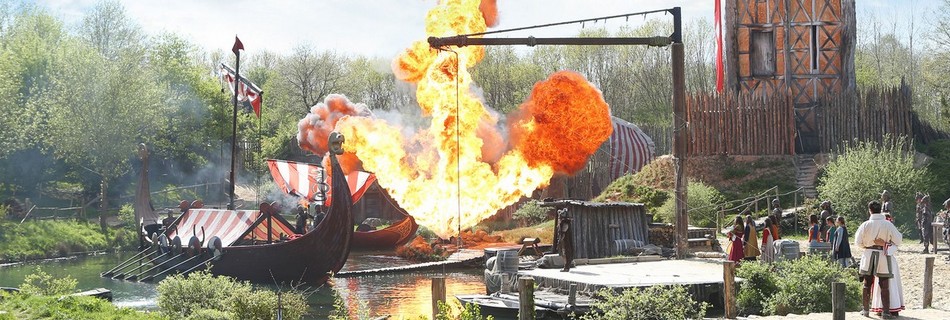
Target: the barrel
(506, 261)
(623, 246)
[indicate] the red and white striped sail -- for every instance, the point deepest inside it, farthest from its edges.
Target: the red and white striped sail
(229, 225)
(630, 149)
(304, 180)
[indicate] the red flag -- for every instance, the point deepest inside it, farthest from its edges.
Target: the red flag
(240, 46)
(720, 72)
(248, 92)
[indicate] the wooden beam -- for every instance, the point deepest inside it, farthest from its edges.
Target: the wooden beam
(728, 288)
(525, 298)
(730, 55)
(838, 305)
(438, 295)
(928, 282)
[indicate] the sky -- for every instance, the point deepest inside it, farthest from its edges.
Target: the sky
(383, 28)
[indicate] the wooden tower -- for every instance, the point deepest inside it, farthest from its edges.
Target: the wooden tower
(804, 47)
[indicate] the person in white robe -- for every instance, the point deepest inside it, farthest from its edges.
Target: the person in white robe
(897, 290)
(875, 267)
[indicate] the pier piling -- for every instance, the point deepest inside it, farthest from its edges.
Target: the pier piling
(438, 294)
(526, 298)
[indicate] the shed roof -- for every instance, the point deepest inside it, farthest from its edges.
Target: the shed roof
(590, 204)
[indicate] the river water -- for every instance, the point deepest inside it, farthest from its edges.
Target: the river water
(403, 296)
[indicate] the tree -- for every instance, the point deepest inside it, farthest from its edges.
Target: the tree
(108, 29)
(312, 75)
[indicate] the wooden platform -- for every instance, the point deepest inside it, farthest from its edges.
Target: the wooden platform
(460, 258)
(704, 278)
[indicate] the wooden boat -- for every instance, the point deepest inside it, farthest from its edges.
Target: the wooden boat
(253, 245)
(493, 305)
(289, 177)
(397, 234)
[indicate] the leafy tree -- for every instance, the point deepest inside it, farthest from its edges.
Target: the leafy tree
(860, 172)
(702, 205)
(109, 30)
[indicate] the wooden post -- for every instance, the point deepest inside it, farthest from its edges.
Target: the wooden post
(728, 288)
(928, 282)
(837, 301)
(680, 138)
(526, 298)
(572, 295)
(438, 294)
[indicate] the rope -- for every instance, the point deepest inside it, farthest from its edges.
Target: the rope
(627, 16)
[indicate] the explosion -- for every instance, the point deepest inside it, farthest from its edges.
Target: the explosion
(462, 159)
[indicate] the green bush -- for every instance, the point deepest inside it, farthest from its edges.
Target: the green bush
(453, 310)
(41, 283)
(799, 286)
(181, 296)
(939, 171)
(861, 172)
(27, 306)
(531, 213)
(626, 189)
(702, 202)
(656, 302)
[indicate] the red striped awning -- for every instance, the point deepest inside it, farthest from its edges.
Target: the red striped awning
(304, 180)
(228, 225)
(630, 148)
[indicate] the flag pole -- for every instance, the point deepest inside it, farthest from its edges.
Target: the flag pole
(237, 80)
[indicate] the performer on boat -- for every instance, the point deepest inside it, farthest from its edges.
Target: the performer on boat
(873, 235)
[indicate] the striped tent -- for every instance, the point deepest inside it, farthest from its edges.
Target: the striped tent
(229, 225)
(630, 149)
(305, 179)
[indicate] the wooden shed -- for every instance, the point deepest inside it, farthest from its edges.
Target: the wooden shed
(803, 47)
(598, 226)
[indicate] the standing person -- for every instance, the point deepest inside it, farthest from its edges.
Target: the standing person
(814, 230)
(944, 217)
(841, 248)
(751, 249)
(826, 212)
(896, 288)
(830, 234)
(872, 235)
(925, 220)
(918, 207)
(736, 236)
(301, 225)
(768, 254)
(776, 218)
(886, 201)
(567, 239)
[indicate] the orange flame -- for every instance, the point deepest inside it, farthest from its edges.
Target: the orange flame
(461, 159)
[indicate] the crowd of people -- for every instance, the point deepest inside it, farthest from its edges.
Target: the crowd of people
(828, 233)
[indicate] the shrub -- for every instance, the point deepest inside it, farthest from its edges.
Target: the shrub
(26, 306)
(531, 213)
(799, 286)
(656, 302)
(861, 172)
(626, 189)
(702, 202)
(181, 296)
(41, 283)
(453, 310)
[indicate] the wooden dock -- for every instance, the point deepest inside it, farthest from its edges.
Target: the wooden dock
(460, 258)
(703, 278)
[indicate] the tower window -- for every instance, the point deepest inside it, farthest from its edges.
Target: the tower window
(814, 48)
(762, 53)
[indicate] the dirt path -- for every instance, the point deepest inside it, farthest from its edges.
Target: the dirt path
(911, 314)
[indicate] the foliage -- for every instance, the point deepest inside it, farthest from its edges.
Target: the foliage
(655, 302)
(544, 230)
(799, 286)
(4, 210)
(180, 296)
(702, 204)
(453, 310)
(27, 306)
(626, 189)
(41, 283)
(861, 172)
(421, 251)
(48, 239)
(531, 213)
(939, 171)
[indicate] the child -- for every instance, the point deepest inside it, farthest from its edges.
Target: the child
(814, 229)
(768, 255)
(736, 247)
(751, 243)
(830, 234)
(840, 245)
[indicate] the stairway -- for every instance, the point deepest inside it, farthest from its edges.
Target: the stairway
(806, 174)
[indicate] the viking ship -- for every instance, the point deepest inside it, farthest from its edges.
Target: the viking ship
(306, 181)
(255, 245)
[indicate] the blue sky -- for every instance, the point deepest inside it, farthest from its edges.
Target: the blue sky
(383, 28)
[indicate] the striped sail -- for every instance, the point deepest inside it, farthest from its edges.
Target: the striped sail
(304, 180)
(630, 149)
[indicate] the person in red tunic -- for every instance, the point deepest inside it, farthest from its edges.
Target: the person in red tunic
(736, 246)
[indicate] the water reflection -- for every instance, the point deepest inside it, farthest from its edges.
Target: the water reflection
(403, 296)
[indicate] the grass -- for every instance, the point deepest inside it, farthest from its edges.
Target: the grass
(543, 230)
(25, 306)
(49, 239)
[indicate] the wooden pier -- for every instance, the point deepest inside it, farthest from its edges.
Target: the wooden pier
(460, 258)
(703, 278)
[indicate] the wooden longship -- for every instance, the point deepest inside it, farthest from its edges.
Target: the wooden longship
(253, 245)
(399, 233)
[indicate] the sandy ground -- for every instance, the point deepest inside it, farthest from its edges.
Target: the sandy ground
(911, 262)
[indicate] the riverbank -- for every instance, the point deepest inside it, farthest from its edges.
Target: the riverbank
(45, 239)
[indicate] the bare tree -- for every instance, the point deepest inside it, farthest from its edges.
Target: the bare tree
(108, 29)
(312, 75)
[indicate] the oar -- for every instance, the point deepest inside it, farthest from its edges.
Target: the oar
(203, 263)
(124, 264)
(122, 275)
(149, 278)
(132, 278)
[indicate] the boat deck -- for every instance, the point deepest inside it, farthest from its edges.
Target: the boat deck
(460, 258)
(704, 278)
